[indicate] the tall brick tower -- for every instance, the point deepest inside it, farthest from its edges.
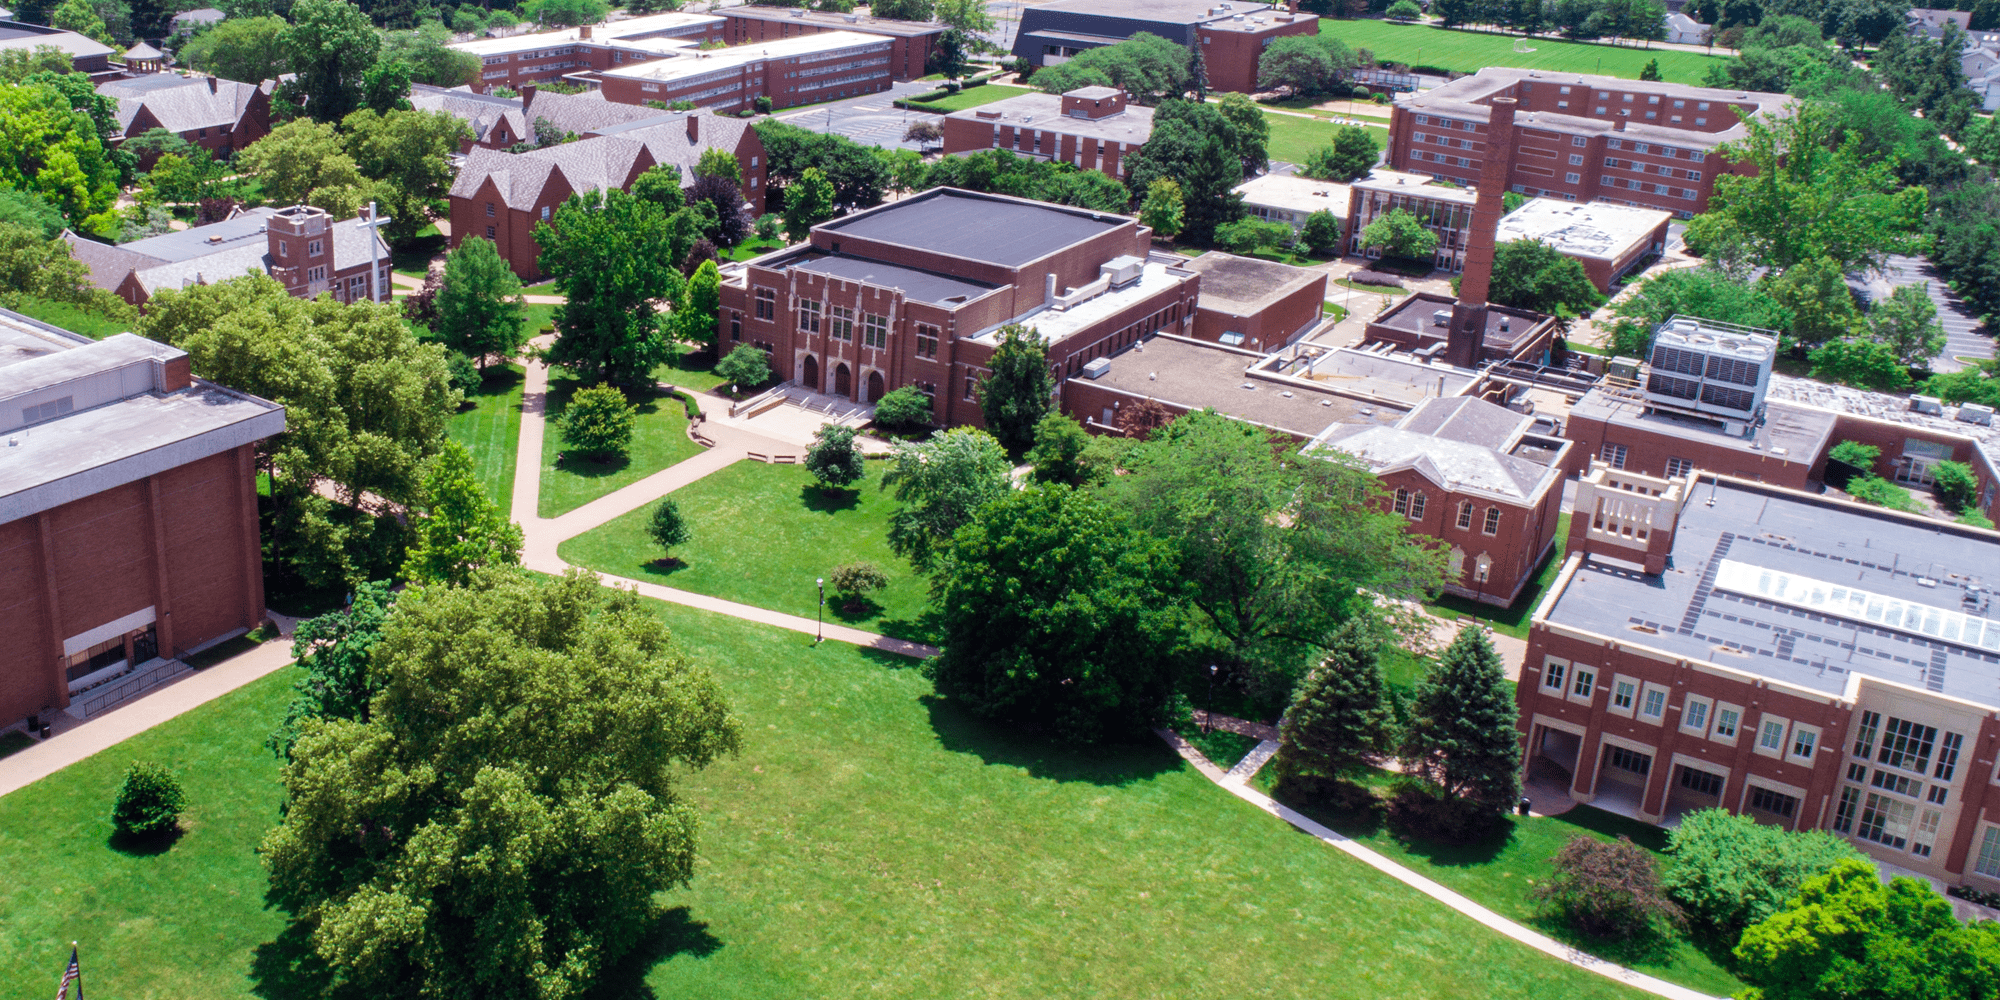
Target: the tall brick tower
(1468, 315)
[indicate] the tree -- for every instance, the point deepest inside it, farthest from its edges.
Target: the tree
(1731, 871)
(181, 180)
(970, 17)
(1162, 210)
(19, 64)
(249, 50)
(1352, 154)
(745, 367)
(725, 200)
(1404, 10)
(331, 45)
(418, 850)
(808, 202)
(565, 13)
(1855, 455)
(1275, 546)
(1978, 382)
(903, 10)
(1250, 234)
(460, 528)
(857, 174)
(1608, 890)
(78, 16)
(47, 269)
(695, 318)
(29, 211)
(426, 56)
(1847, 935)
(668, 527)
(1689, 291)
(1149, 68)
(1341, 717)
(718, 162)
(612, 260)
(1906, 321)
(1211, 198)
(1816, 295)
(1397, 233)
(1321, 233)
(598, 422)
(853, 582)
(303, 162)
(409, 153)
(1297, 63)
(903, 407)
(1250, 131)
(660, 184)
(1651, 71)
(55, 149)
(149, 803)
(1055, 611)
(1807, 200)
(1530, 274)
(1956, 484)
(1015, 395)
(1461, 736)
(834, 460)
(939, 484)
(1058, 454)
(332, 651)
(1858, 361)
(480, 311)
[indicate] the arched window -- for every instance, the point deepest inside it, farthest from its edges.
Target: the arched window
(1492, 521)
(1417, 507)
(1465, 515)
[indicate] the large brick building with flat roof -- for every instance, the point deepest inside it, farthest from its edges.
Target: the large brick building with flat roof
(1813, 663)
(1230, 36)
(1090, 127)
(1580, 137)
(128, 511)
(805, 69)
(913, 42)
(543, 56)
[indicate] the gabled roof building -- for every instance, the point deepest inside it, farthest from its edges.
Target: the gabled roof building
(302, 247)
(221, 116)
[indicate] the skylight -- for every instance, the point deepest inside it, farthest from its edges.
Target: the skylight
(1859, 605)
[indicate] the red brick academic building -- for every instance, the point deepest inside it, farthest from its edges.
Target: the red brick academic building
(128, 511)
(912, 42)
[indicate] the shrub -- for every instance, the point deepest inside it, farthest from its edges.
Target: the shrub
(149, 802)
(903, 407)
(1882, 493)
(768, 226)
(762, 104)
(853, 582)
(1380, 279)
(464, 372)
(1250, 234)
(1608, 890)
(745, 367)
(1404, 10)
(669, 526)
(1731, 871)
(1974, 519)
(1957, 486)
(1860, 457)
(598, 422)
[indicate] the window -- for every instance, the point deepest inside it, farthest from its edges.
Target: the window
(1947, 764)
(1402, 500)
(1989, 853)
(1492, 526)
(1577, 140)
(545, 213)
(1772, 735)
(1886, 821)
(1552, 674)
(1417, 507)
(1864, 734)
(1584, 684)
(842, 325)
(1694, 717)
(874, 331)
(1573, 178)
(808, 315)
(1857, 772)
(1701, 782)
(1777, 804)
(489, 205)
(313, 248)
(1907, 745)
(767, 304)
(1678, 467)
(1622, 694)
(1805, 739)
(1725, 721)
(1629, 760)
(316, 274)
(735, 325)
(927, 341)
(1843, 814)
(1901, 784)
(1937, 794)
(971, 387)
(1655, 704)
(489, 232)
(1612, 455)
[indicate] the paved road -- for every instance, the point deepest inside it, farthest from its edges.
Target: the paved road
(871, 118)
(1966, 337)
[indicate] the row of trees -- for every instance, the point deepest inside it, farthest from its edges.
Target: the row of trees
(1635, 20)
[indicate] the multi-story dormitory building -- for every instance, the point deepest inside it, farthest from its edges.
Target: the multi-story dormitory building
(1581, 138)
(550, 55)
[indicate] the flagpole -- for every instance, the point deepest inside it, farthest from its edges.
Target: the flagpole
(75, 955)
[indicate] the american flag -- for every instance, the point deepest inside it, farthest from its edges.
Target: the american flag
(74, 974)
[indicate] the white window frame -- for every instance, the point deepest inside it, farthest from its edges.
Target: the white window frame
(1764, 723)
(1735, 728)
(1646, 693)
(1811, 733)
(1555, 675)
(1491, 526)
(1583, 684)
(1627, 688)
(1465, 509)
(1696, 705)
(1986, 859)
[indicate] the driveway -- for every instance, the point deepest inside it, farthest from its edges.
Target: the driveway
(1965, 336)
(871, 119)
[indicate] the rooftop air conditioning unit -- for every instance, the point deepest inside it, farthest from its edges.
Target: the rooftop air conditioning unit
(1097, 368)
(1976, 413)
(1718, 369)
(1123, 270)
(1441, 317)
(1927, 404)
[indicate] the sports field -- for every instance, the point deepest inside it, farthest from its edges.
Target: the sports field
(1469, 51)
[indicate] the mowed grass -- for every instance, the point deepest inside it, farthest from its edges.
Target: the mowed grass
(94, 325)
(659, 439)
(970, 97)
(691, 368)
(490, 428)
(1469, 51)
(761, 535)
(1501, 873)
(1293, 138)
(1513, 619)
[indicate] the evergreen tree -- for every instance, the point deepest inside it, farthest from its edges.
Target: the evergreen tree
(1341, 715)
(1209, 192)
(1462, 736)
(695, 320)
(479, 307)
(1016, 395)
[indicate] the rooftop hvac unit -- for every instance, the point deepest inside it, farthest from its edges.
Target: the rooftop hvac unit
(1441, 317)
(1122, 270)
(1719, 369)
(1975, 413)
(1097, 368)
(1927, 404)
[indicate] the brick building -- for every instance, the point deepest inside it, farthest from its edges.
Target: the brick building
(502, 196)
(1292, 199)
(1812, 663)
(909, 57)
(87, 55)
(221, 116)
(302, 247)
(914, 292)
(496, 122)
(128, 511)
(542, 56)
(1580, 138)
(804, 69)
(1091, 127)
(1608, 240)
(1259, 304)
(1230, 36)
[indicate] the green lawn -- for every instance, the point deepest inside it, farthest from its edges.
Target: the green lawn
(1294, 138)
(870, 841)
(692, 368)
(541, 317)
(1501, 872)
(659, 439)
(753, 247)
(1469, 51)
(1512, 620)
(762, 535)
(412, 256)
(491, 430)
(970, 97)
(94, 325)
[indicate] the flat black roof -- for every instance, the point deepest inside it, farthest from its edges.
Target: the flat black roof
(924, 286)
(1818, 544)
(992, 229)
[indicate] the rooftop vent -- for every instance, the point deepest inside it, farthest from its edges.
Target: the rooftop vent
(1097, 368)
(1441, 317)
(1975, 413)
(1927, 404)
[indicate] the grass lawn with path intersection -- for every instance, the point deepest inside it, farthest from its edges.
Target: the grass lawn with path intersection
(491, 430)
(761, 535)
(1469, 51)
(659, 439)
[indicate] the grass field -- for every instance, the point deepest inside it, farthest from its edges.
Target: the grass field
(870, 841)
(96, 326)
(691, 368)
(659, 439)
(491, 431)
(799, 535)
(1469, 51)
(970, 97)
(1511, 620)
(1502, 871)
(1294, 138)
(753, 247)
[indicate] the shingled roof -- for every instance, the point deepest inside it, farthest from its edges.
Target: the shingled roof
(1461, 444)
(481, 112)
(180, 104)
(599, 162)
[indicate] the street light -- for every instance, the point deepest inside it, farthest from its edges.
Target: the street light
(821, 637)
(1208, 714)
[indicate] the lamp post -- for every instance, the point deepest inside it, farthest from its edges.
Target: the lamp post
(821, 637)
(1208, 713)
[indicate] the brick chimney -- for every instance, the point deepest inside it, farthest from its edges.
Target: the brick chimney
(1468, 316)
(694, 126)
(211, 83)
(583, 33)
(527, 96)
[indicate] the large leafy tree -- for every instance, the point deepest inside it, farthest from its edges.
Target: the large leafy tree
(809, 201)
(426, 57)
(696, 317)
(1015, 396)
(1341, 716)
(480, 311)
(835, 459)
(857, 174)
(1815, 295)
(1731, 871)
(1907, 322)
(611, 258)
(1276, 545)
(458, 528)
(331, 45)
(1397, 233)
(1353, 153)
(408, 153)
(504, 822)
(333, 650)
(1147, 67)
(939, 484)
(969, 17)
(1249, 129)
(1690, 291)
(1461, 736)
(51, 146)
(249, 49)
(1530, 274)
(1163, 210)
(305, 162)
(1057, 612)
(44, 267)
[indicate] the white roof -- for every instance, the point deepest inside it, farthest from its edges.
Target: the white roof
(1588, 229)
(689, 64)
(1415, 185)
(1294, 193)
(626, 34)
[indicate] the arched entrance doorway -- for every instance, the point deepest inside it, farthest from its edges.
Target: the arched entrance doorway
(843, 381)
(875, 388)
(809, 373)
